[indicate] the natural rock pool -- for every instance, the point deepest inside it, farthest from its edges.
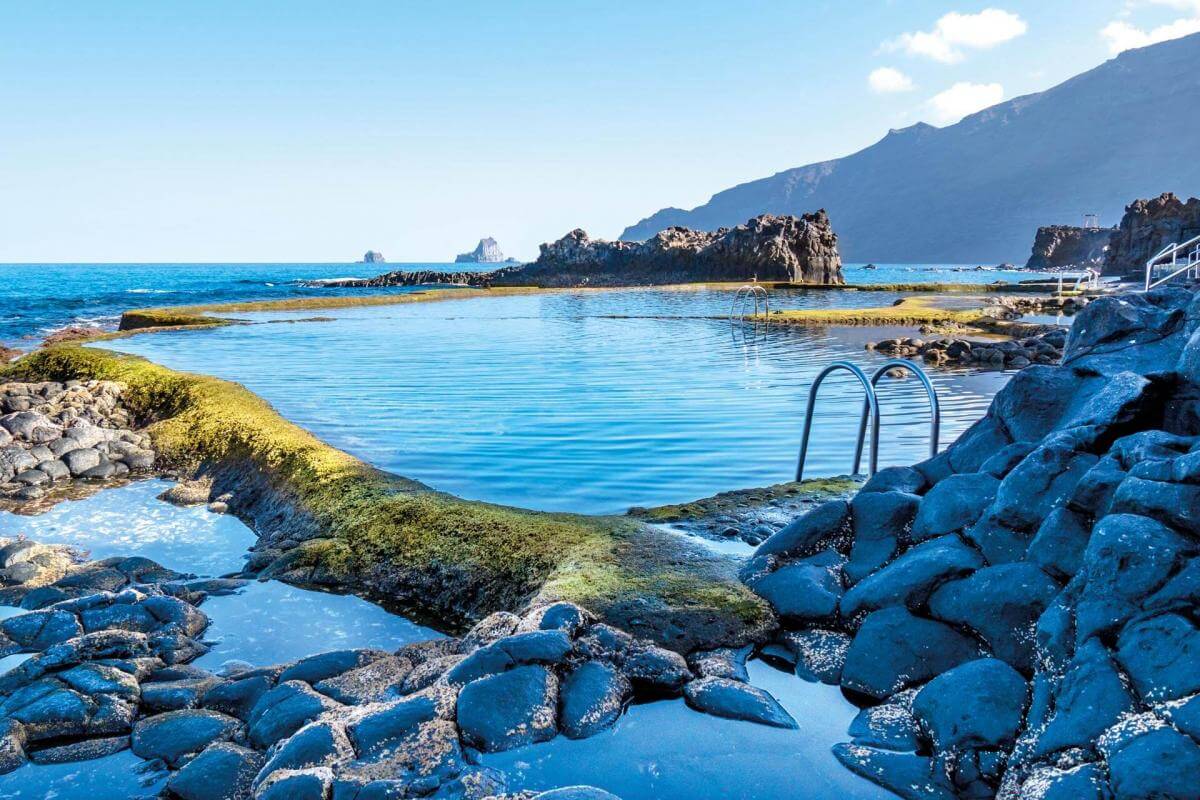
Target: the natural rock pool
(588, 401)
(658, 749)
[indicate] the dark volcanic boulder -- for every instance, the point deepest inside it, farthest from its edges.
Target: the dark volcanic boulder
(802, 590)
(828, 521)
(1160, 763)
(913, 576)
(978, 704)
(894, 649)
(1001, 604)
(508, 710)
(731, 699)
(953, 504)
(220, 772)
(593, 697)
(176, 734)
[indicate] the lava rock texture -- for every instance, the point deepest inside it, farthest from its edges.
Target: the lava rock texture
(1019, 614)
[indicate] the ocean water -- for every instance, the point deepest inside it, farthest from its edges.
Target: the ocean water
(36, 299)
(576, 401)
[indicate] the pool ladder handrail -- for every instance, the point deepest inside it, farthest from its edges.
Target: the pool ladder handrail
(870, 410)
(737, 310)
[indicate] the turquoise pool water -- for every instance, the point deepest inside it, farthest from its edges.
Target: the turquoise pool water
(582, 401)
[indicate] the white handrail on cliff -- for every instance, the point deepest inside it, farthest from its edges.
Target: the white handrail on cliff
(1191, 262)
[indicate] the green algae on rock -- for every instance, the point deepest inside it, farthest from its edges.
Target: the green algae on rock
(326, 518)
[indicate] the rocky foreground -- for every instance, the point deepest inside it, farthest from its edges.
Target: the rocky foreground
(52, 433)
(767, 248)
(111, 641)
(1019, 614)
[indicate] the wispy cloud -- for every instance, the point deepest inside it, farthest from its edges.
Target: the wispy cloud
(962, 99)
(1122, 35)
(955, 33)
(888, 80)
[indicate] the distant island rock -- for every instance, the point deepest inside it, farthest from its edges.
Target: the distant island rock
(791, 249)
(373, 257)
(486, 252)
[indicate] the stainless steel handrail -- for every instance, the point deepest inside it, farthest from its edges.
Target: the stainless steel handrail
(1192, 261)
(871, 400)
(935, 409)
(737, 310)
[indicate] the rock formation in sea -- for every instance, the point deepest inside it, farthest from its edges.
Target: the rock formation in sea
(1019, 613)
(486, 252)
(1147, 227)
(1064, 246)
(800, 249)
(373, 257)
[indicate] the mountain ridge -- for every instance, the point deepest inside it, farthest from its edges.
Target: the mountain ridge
(978, 190)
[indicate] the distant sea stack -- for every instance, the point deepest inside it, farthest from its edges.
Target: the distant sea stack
(1147, 227)
(486, 252)
(792, 249)
(373, 257)
(1065, 246)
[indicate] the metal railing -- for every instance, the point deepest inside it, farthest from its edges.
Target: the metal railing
(870, 411)
(742, 298)
(935, 408)
(1190, 250)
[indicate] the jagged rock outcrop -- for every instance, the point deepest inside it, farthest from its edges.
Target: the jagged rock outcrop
(486, 252)
(1059, 246)
(1147, 227)
(800, 249)
(1021, 610)
(785, 248)
(373, 257)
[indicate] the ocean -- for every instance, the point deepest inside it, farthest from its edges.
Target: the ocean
(37, 299)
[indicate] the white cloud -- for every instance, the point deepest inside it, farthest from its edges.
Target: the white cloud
(955, 32)
(886, 80)
(963, 98)
(1122, 36)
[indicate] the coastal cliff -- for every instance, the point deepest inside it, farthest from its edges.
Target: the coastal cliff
(1147, 227)
(791, 249)
(486, 252)
(1062, 246)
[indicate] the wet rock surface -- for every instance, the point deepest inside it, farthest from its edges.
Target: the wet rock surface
(54, 433)
(1029, 629)
(1042, 348)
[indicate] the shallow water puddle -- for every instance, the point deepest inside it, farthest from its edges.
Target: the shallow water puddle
(131, 521)
(273, 622)
(664, 749)
(121, 776)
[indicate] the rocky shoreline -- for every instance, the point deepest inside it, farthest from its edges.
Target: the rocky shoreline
(767, 248)
(1018, 614)
(53, 433)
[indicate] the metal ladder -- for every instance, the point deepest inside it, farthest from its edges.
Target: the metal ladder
(1190, 250)
(742, 298)
(870, 410)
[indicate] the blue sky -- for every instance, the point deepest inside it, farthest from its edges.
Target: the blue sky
(312, 131)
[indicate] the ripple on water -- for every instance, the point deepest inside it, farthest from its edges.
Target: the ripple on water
(589, 401)
(665, 749)
(130, 520)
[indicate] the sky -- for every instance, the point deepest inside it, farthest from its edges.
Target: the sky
(303, 131)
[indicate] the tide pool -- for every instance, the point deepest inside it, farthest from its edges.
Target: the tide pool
(589, 401)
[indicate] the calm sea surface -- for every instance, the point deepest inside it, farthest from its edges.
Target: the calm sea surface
(578, 401)
(36, 299)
